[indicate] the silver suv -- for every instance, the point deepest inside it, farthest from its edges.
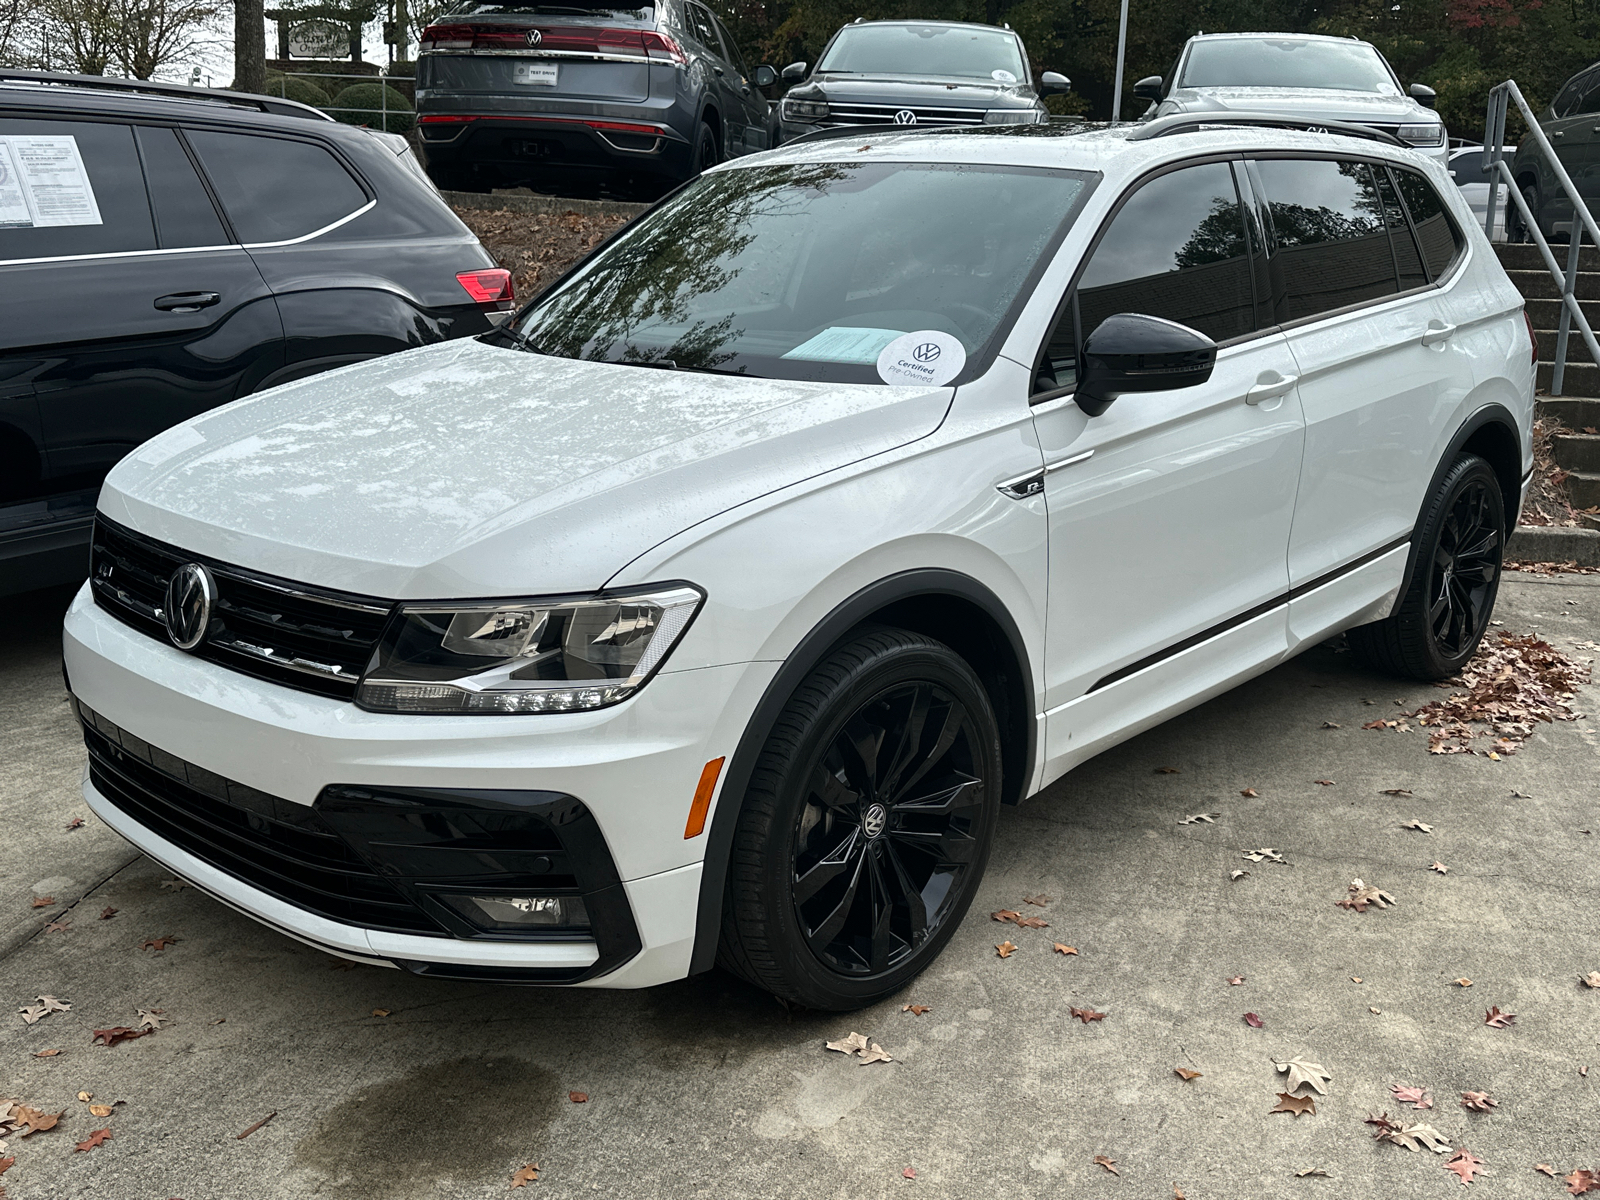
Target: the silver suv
(584, 95)
(1305, 76)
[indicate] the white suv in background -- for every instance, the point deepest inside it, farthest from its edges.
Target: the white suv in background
(711, 610)
(1308, 77)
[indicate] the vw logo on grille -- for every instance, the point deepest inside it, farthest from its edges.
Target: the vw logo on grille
(534, 37)
(190, 594)
(926, 352)
(905, 117)
(876, 818)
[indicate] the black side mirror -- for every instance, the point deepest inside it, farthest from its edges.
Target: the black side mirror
(794, 72)
(1423, 95)
(1148, 88)
(1054, 83)
(765, 76)
(1131, 352)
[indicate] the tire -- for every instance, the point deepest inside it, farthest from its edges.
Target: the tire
(1436, 626)
(839, 849)
(1516, 230)
(705, 149)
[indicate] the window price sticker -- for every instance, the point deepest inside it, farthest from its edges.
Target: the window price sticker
(928, 357)
(43, 183)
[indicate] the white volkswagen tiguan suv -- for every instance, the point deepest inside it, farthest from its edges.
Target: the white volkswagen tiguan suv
(710, 611)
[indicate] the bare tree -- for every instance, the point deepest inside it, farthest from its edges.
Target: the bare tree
(149, 34)
(15, 25)
(77, 35)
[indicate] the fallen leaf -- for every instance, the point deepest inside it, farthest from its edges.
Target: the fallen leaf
(1477, 1101)
(120, 1033)
(1463, 982)
(1545, 1169)
(1362, 896)
(157, 944)
(85, 1097)
(1234, 980)
(873, 1053)
(1064, 949)
(100, 1110)
(1355, 979)
(1185, 1074)
(1496, 1019)
(1580, 1182)
(7, 1163)
(1375, 1011)
(1005, 914)
(909, 1173)
(1312, 1171)
(1253, 1021)
(1323, 782)
(380, 1012)
(43, 901)
(1414, 1096)
(58, 926)
(1465, 1164)
(1086, 1014)
(1294, 1104)
(1440, 867)
(95, 1138)
(1412, 1137)
(1032, 923)
(1041, 900)
(1416, 824)
(1005, 949)
(1235, 875)
(241, 1137)
(853, 1044)
(1167, 771)
(34, 1013)
(1177, 1193)
(1301, 1072)
(107, 913)
(75, 823)
(1206, 817)
(151, 1018)
(1250, 793)
(1110, 1164)
(175, 885)
(1592, 979)
(578, 1097)
(526, 1175)
(917, 1010)
(30, 1121)
(1397, 791)
(46, 1053)
(1267, 853)
(1332, 725)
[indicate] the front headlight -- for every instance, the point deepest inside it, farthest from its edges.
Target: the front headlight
(524, 656)
(1010, 116)
(804, 110)
(1422, 135)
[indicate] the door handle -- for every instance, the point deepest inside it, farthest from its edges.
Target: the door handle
(719, 70)
(1269, 389)
(187, 302)
(1436, 332)
(1558, 133)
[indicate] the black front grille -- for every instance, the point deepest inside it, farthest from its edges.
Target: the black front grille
(285, 849)
(885, 114)
(312, 639)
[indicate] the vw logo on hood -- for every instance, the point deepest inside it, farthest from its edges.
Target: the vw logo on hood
(534, 37)
(190, 593)
(905, 117)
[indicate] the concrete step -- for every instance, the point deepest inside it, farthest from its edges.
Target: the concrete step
(1526, 257)
(1576, 451)
(1581, 379)
(1583, 489)
(1541, 285)
(1577, 348)
(1552, 544)
(1574, 412)
(1546, 313)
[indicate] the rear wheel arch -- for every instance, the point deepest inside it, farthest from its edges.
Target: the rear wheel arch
(945, 605)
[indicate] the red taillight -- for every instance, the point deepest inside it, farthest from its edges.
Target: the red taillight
(446, 37)
(487, 286)
(662, 48)
(573, 39)
(444, 119)
(1533, 336)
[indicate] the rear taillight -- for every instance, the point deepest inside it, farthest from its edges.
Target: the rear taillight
(1533, 336)
(446, 37)
(564, 38)
(662, 48)
(489, 286)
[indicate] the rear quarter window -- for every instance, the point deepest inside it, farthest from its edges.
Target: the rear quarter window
(276, 189)
(71, 188)
(1441, 241)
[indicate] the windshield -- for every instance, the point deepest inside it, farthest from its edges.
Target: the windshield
(1287, 63)
(808, 271)
(960, 50)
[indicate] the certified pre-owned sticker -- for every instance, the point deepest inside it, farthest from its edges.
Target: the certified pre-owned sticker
(927, 357)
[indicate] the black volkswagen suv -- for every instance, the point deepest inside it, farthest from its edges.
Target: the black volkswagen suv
(584, 96)
(916, 73)
(169, 249)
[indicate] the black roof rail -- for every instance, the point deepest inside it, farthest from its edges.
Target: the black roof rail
(146, 87)
(1193, 122)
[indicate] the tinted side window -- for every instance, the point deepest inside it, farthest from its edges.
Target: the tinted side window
(1566, 100)
(71, 187)
(735, 55)
(274, 189)
(1176, 249)
(1329, 247)
(1590, 103)
(700, 25)
(1468, 168)
(1406, 257)
(185, 215)
(1441, 240)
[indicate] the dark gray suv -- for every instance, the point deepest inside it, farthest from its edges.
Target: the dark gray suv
(584, 96)
(916, 73)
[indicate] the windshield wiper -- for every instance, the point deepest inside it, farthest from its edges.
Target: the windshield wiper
(522, 341)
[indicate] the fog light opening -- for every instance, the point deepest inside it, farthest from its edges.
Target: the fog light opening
(510, 913)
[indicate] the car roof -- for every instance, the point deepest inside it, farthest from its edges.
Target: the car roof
(1289, 37)
(925, 24)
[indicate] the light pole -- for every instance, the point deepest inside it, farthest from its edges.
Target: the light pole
(1122, 50)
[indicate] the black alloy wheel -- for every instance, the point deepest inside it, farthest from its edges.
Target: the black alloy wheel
(705, 149)
(866, 826)
(1436, 626)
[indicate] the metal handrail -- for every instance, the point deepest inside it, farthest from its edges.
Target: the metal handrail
(1494, 141)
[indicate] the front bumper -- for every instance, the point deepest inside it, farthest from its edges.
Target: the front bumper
(277, 753)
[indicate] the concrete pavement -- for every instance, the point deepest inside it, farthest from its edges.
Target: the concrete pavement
(710, 1088)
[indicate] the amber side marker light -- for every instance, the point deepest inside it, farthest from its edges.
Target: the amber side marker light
(702, 799)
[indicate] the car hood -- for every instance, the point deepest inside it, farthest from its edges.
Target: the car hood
(916, 91)
(464, 469)
(1329, 104)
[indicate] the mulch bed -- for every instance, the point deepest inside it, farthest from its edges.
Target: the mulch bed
(537, 248)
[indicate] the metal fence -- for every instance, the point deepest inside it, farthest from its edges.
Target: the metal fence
(382, 112)
(1494, 140)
